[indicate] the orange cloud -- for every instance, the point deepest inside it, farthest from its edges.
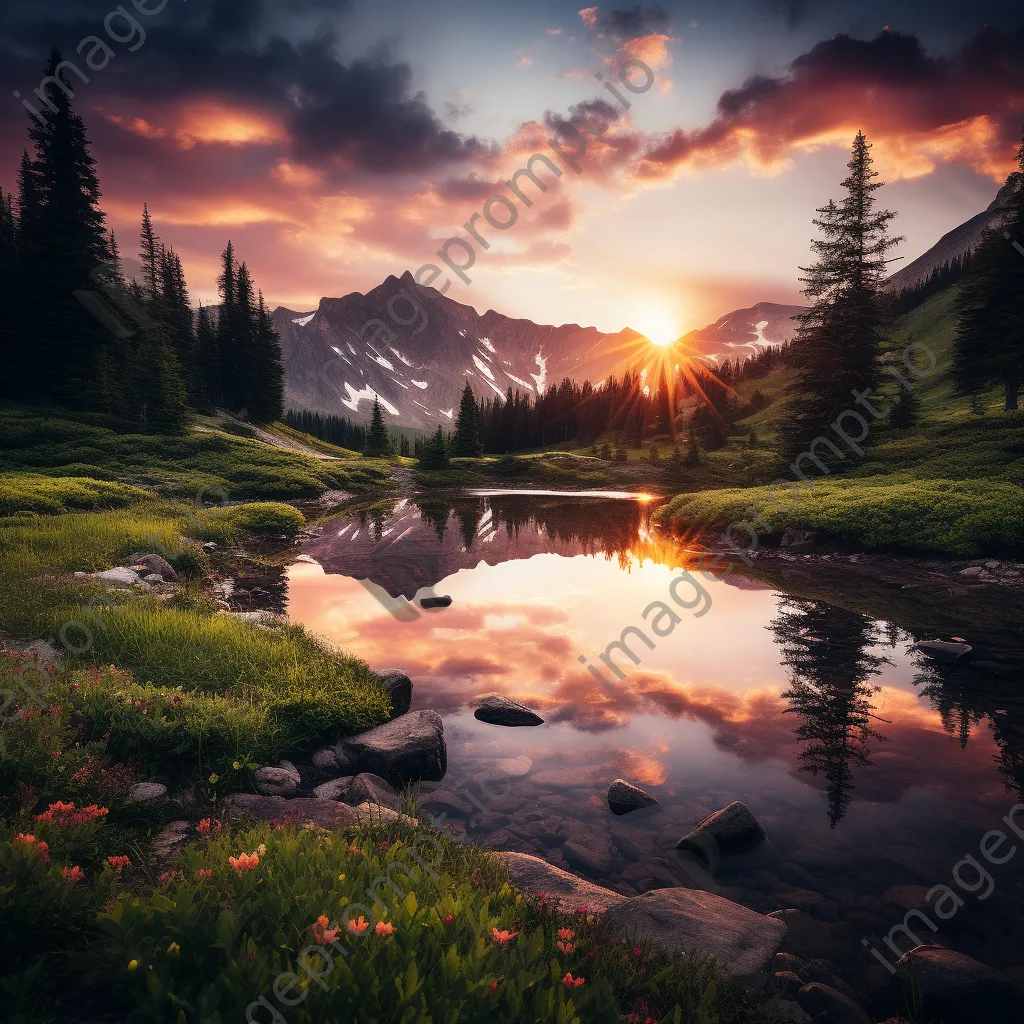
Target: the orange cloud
(589, 16)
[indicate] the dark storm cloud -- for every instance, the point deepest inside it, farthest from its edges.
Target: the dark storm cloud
(363, 112)
(628, 23)
(794, 10)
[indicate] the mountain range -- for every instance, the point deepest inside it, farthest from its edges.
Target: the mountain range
(415, 348)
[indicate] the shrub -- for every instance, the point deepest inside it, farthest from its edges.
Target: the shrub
(258, 517)
(32, 492)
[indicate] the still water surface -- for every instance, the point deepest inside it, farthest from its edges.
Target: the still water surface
(869, 765)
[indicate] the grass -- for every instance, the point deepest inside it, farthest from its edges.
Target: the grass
(37, 494)
(205, 942)
(955, 517)
(208, 466)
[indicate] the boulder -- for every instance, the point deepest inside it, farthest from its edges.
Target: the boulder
(407, 749)
(398, 687)
(377, 814)
(536, 877)
(788, 983)
(824, 1003)
(442, 601)
(336, 789)
(694, 922)
(169, 840)
(153, 580)
(624, 797)
(120, 577)
(824, 972)
(328, 814)
(943, 650)
(43, 652)
(335, 761)
(146, 792)
(498, 710)
(732, 829)
(959, 989)
(158, 565)
(283, 781)
(371, 789)
(785, 1011)
(793, 538)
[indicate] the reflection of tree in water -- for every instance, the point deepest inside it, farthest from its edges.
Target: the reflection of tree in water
(965, 692)
(825, 650)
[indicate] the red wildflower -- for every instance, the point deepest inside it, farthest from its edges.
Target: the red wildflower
(570, 982)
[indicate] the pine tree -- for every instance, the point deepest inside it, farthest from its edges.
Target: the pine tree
(266, 392)
(159, 394)
(227, 389)
(435, 452)
(989, 347)
(64, 241)
(149, 254)
(838, 344)
(467, 427)
(692, 449)
(378, 441)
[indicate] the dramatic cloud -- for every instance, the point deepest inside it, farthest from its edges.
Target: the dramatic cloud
(919, 110)
(628, 23)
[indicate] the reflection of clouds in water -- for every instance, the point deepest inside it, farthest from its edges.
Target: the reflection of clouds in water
(457, 655)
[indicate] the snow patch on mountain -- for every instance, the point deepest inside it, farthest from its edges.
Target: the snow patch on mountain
(512, 376)
(303, 320)
(486, 342)
(540, 378)
(355, 397)
(448, 412)
(483, 368)
(421, 384)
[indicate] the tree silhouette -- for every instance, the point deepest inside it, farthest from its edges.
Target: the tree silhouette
(467, 443)
(378, 441)
(825, 650)
(838, 343)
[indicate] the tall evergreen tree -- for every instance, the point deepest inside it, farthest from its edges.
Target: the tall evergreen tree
(228, 344)
(989, 347)
(378, 440)
(838, 343)
(149, 254)
(207, 358)
(266, 395)
(467, 427)
(9, 268)
(64, 242)
(435, 452)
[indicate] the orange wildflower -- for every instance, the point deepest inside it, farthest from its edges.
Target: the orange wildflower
(384, 928)
(61, 813)
(323, 933)
(566, 933)
(119, 862)
(565, 947)
(75, 874)
(204, 872)
(570, 982)
(207, 825)
(358, 926)
(40, 846)
(352, 848)
(503, 937)
(244, 861)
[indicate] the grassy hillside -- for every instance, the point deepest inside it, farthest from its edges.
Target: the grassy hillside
(951, 483)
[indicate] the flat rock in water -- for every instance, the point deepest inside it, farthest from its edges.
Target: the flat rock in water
(398, 687)
(448, 802)
(570, 892)
(700, 923)
(589, 849)
(959, 989)
(907, 897)
(514, 767)
(498, 710)
(146, 792)
(732, 829)
(624, 797)
(407, 749)
(443, 601)
(943, 650)
(326, 813)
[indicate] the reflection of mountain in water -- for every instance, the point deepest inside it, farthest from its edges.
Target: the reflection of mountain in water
(825, 649)
(404, 546)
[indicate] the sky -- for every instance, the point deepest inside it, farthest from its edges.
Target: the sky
(337, 142)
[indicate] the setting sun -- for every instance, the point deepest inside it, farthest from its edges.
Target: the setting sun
(659, 326)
